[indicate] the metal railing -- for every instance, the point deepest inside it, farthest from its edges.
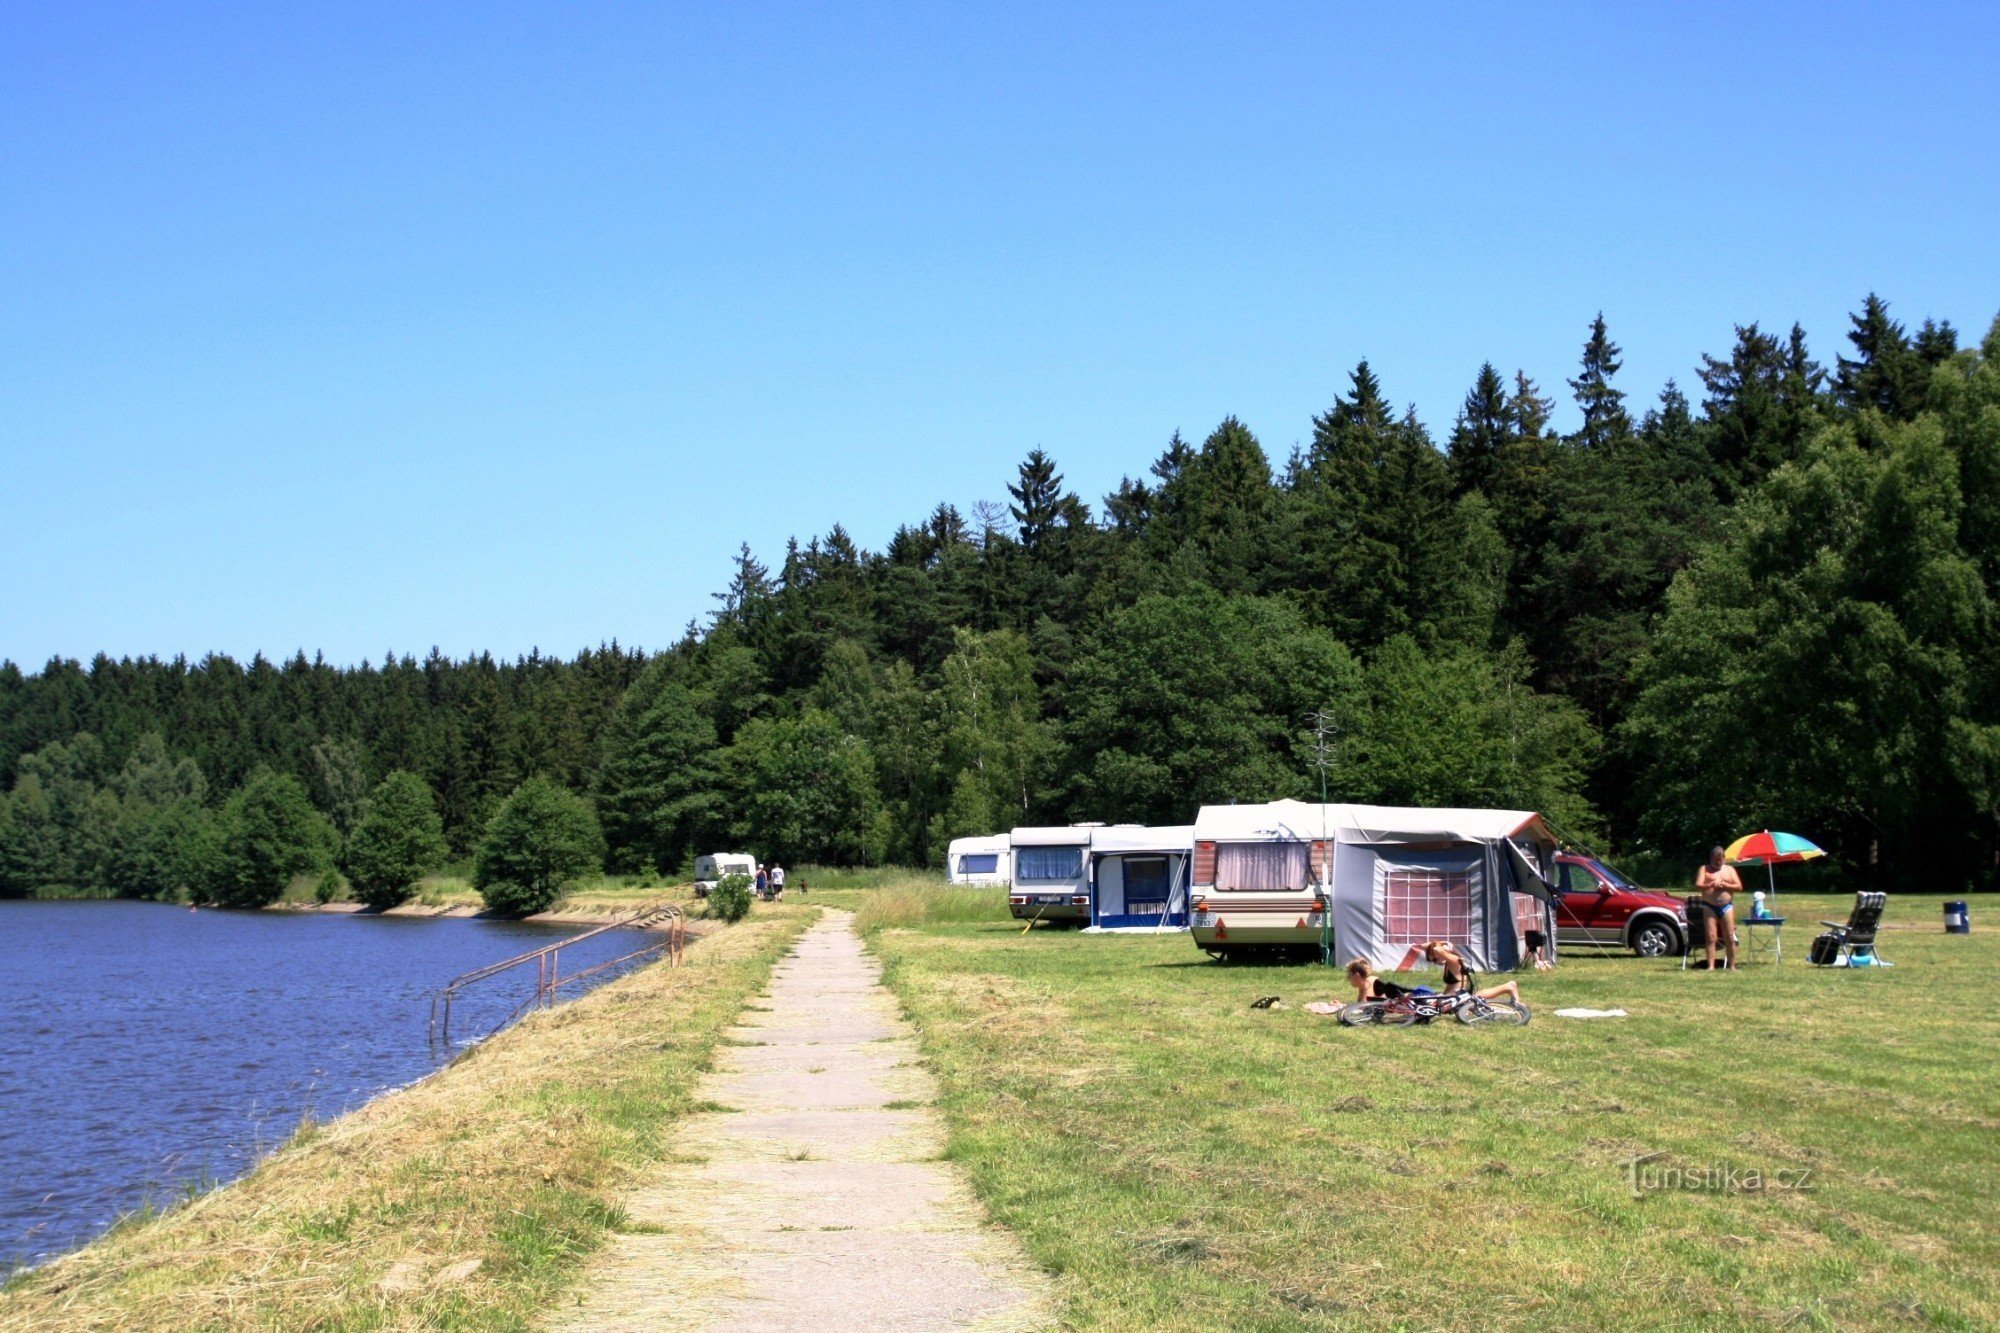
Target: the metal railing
(666, 918)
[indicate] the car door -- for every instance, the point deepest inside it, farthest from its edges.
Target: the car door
(1579, 919)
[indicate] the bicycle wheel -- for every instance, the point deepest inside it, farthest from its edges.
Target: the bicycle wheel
(1360, 1013)
(1396, 1016)
(1494, 1011)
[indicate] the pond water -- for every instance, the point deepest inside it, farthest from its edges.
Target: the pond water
(145, 1048)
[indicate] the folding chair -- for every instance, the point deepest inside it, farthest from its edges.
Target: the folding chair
(1697, 936)
(1852, 944)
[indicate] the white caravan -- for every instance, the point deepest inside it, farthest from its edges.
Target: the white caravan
(981, 861)
(710, 870)
(1051, 873)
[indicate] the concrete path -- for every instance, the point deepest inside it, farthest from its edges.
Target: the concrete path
(818, 1202)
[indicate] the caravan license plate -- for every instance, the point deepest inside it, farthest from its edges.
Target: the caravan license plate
(1204, 920)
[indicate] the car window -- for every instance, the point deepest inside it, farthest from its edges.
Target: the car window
(1615, 879)
(1578, 879)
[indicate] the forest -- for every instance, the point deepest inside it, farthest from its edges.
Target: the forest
(1768, 602)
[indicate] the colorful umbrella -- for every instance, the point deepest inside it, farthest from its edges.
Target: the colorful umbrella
(1768, 849)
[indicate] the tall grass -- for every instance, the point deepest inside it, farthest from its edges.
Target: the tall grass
(924, 902)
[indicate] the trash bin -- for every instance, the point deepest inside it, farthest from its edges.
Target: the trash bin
(1957, 920)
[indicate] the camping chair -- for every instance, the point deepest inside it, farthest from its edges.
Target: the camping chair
(1853, 944)
(1697, 936)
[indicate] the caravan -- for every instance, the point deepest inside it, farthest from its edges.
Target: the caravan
(1374, 881)
(1139, 877)
(712, 869)
(1051, 873)
(980, 861)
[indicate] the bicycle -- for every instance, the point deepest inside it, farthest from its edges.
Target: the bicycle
(1424, 1006)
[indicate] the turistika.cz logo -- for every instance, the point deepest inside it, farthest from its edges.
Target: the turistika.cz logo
(1651, 1173)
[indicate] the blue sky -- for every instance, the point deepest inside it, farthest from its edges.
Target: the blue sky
(356, 328)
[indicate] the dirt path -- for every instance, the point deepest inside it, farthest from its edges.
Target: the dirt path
(818, 1201)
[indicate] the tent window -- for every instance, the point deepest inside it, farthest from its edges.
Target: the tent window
(1527, 916)
(1423, 905)
(979, 863)
(1145, 885)
(1032, 863)
(1264, 866)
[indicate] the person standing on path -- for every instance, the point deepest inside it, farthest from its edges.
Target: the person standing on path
(763, 882)
(777, 881)
(1719, 884)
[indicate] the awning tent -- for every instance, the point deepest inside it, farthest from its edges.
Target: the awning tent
(1139, 877)
(1399, 876)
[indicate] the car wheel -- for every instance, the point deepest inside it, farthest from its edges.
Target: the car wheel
(1655, 939)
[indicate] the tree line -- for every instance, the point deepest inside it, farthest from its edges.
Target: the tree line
(1771, 606)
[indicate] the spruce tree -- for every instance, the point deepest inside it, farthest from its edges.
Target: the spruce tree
(1483, 428)
(1604, 417)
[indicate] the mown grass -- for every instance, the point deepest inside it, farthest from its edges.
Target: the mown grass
(515, 1156)
(1180, 1160)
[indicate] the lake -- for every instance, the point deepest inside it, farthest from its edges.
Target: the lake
(144, 1047)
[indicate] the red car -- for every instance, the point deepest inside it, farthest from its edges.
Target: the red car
(1601, 906)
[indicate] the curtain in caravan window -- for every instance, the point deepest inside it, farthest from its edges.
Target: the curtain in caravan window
(978, 863)
(1261, 865)
(1043, 863)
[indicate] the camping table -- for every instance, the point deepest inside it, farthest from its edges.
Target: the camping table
(1775, 946)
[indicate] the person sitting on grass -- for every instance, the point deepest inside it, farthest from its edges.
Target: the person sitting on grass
(1458, 977)
(1368, 986)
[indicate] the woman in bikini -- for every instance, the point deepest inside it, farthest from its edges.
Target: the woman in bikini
(1368, 986)
(1458, 977)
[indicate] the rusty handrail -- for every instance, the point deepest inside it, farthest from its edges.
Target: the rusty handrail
(668, 918)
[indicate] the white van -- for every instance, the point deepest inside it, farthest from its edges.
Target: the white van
(980, 860)
(710, 870)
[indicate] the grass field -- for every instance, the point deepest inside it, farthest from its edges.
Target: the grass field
(1180, 1160)
(515, 1157)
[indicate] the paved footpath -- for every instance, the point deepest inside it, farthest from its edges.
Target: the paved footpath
(818, 1201)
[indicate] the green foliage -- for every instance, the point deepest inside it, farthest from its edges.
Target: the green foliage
(802, 790)
(1462, 728)
(398, 840)
(266, 833)
(1199, 698)
(656, 792)
(1832, 665)
(540, 840)
(730, 899)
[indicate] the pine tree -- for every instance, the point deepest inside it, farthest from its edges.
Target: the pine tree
(1604, 417)
(1483, 428)
(1885, 373)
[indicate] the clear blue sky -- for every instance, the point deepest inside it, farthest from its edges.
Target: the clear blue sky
(354, 327)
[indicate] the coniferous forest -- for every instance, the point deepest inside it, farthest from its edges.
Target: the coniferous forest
(1763, 599)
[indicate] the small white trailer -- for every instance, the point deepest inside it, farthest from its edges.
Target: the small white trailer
(980, 861)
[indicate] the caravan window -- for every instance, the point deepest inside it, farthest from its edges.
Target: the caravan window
(979, 863)
(1419, 905)
(1048, 862)
(1261, 865)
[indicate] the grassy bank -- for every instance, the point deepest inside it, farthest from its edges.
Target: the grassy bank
(514, 1157)
(1180, 1160)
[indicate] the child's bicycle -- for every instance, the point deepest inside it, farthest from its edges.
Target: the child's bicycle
(1423, 1006)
